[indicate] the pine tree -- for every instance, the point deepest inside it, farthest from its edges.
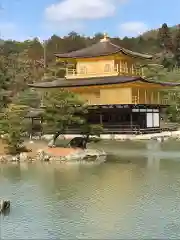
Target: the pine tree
(64, 109)
(61, 111)
(5, 83)
(165, 38)
(12, 126)
(177, 47)
(166, 44)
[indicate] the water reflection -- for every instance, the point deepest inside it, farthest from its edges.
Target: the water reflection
(135, 194)
(11, 172)
(153, 159)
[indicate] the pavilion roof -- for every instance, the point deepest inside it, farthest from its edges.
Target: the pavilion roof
(64, 83)
(103, 48)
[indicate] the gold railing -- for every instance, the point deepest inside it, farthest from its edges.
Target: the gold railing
(130, 71)
(73, 73)
(135, 100)
(93, 101)
(163, 101)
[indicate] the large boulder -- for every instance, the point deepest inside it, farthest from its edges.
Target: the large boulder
(3, 159)
(22, 157)
(42, 155)
(9, 158)
(87, 155)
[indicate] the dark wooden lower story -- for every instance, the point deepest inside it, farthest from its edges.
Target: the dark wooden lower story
(126, 119)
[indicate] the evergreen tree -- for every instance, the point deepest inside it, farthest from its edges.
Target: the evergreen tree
(12, 126)
(29, 97)
(35, 50)
(5, 83)
(177, 47)
(61, 111)
(166, 44)
(165, 38)
(64, 109)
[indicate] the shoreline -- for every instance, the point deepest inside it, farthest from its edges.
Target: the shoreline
(149, 136)
(41, 152)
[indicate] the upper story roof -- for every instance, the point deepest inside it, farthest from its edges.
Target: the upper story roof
(103, 48)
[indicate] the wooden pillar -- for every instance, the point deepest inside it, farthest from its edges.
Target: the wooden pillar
(120, 67)
(152, 97)
(145, 96)
(142, 72)
(132, 70)
(138, 96)
(116, 68)
(101, 120)
(131, 119)
(126, 66)
(159, 97)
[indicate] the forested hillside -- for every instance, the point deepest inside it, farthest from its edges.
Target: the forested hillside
(24, 61)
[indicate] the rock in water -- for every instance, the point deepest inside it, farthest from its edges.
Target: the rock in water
(51, 144)
(46, 158)
(23, 157)
(3, 159)
(87, 155)
(15, 158)
(4, 206)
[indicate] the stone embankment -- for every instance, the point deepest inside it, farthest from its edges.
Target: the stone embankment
(78, 155)
(61, 155)
(22, 157)
(167, 134)
(69, 155)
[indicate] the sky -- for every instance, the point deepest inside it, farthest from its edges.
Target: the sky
(26, 19)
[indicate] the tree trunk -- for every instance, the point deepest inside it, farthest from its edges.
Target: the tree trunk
(87, 140)
(56, 135)
(52, 143)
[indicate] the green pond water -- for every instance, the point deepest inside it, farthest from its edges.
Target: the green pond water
(135, 194)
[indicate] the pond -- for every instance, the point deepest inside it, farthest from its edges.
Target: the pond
(135, 194)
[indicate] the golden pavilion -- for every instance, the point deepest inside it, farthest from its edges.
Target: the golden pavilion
(106, 76)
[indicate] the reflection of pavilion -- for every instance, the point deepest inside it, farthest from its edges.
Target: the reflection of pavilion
(153, 160)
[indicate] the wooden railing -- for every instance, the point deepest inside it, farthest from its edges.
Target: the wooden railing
(127, 129)
(130, 71)
(73, 73)
(110, 129)
(114, 129)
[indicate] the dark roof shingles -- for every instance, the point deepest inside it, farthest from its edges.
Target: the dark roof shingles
(101, 49)
(64, 83)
